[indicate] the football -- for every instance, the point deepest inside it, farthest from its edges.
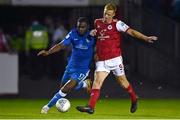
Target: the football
(63, 105)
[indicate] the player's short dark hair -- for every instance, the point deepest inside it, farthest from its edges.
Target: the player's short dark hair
(83, 19)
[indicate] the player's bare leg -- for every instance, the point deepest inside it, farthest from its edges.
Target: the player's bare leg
(122, 80)
(95, 92)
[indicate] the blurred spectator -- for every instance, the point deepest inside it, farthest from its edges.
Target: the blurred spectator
(17, 41)
(4, 44)
(57, 66)
(59, 33)
(49, 23)
(36, 39)
(18, 46)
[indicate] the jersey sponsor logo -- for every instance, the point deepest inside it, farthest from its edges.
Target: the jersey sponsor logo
(75, 39)
(80, 46)
(102, 35)
(102, 32)
(109, 27)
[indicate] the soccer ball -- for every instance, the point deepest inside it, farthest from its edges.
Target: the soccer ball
(63, 105)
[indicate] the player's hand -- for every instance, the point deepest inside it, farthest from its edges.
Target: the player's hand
(43, 53)
(93, 32)
(151, 39)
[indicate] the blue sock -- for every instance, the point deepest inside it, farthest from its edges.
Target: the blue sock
(56, 97)
(79, 86)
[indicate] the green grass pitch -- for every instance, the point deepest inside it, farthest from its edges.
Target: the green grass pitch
(106, 109)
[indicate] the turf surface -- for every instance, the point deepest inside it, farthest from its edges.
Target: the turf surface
(106, 109)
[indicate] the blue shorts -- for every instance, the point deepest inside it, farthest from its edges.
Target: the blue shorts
(77, 75)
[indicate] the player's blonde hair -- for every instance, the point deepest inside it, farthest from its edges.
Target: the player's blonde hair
(110, 6)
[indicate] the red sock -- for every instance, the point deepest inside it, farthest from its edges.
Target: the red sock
(94, 97)
(131, 93)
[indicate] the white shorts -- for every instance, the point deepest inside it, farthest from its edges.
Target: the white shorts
(115, 65)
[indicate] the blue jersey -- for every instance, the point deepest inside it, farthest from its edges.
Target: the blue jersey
(82, 49)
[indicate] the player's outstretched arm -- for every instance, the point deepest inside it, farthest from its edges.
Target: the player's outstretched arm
(52, 50)
(43, 53)
(141, 36)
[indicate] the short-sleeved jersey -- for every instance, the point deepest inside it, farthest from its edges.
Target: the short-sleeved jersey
(109, 38)
(82, 49)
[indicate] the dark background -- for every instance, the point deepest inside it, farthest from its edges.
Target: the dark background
(153, 69)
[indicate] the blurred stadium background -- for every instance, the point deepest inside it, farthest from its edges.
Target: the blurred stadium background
(153, 69)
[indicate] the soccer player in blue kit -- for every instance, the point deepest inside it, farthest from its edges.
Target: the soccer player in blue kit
(77, 70)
